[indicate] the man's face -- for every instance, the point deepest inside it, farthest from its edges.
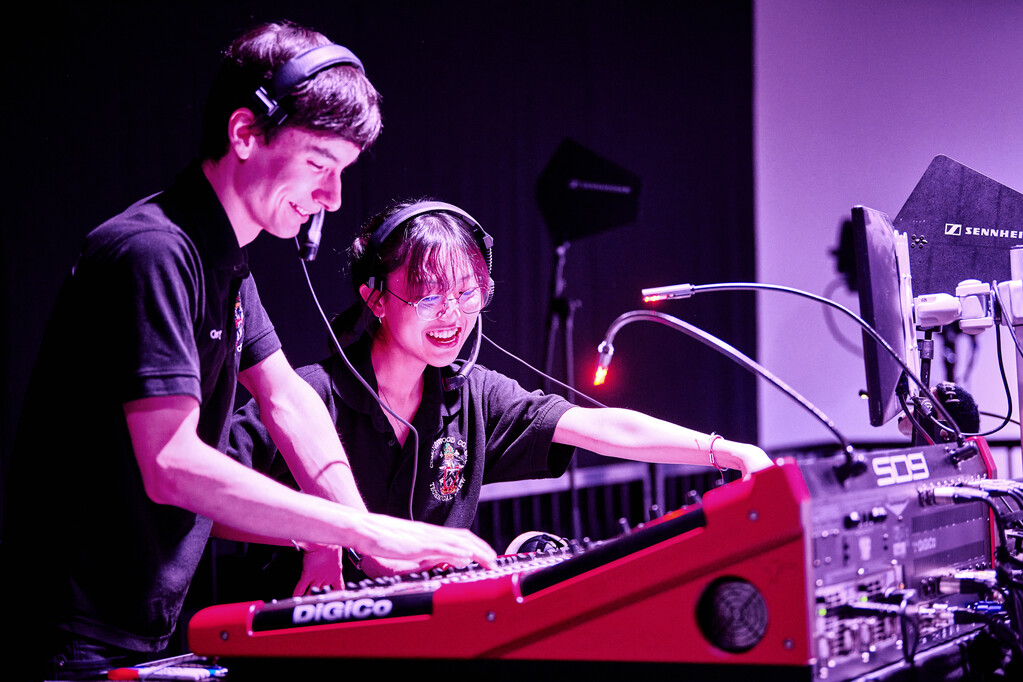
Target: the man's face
(299, 173)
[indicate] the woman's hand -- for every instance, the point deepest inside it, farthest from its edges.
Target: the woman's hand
(321, 569)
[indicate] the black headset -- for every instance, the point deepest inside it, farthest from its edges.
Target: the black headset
(267, 103)
(296, 71)
(460, 370)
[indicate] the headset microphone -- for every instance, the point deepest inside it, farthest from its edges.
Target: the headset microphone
(461, 374)
(309, 237)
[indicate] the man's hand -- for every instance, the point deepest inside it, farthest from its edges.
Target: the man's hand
(414, 546)
(375, 567)
(321, 569)
(386, 537)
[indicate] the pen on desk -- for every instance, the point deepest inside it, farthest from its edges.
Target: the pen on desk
(183, 667)
(172, 672)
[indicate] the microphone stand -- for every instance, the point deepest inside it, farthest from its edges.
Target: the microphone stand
(926, 355)
(561, 318)
(560, 314)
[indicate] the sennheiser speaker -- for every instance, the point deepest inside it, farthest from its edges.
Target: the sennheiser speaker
(294, 72)
(581, 193)
(960, 225)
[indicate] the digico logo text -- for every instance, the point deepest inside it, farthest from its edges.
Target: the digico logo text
(900, 468)
(355, 609)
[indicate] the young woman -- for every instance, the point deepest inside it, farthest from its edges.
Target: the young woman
(421, 271)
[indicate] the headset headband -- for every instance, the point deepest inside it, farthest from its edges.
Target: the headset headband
(380, 235)
(299, 69)
(483, 240)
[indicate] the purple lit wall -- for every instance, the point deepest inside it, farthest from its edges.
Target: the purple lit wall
(852, 101)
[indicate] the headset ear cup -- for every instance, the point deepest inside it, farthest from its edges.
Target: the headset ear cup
(296, 71)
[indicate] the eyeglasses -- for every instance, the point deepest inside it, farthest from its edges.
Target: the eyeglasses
(433, 306)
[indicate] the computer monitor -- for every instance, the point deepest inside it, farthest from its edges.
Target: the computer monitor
(885, 293)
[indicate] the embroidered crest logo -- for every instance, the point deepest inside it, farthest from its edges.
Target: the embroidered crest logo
(447, 459)
(239, 323)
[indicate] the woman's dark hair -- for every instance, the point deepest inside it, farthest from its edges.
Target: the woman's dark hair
(339, 100)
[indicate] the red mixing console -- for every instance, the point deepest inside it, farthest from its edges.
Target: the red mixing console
(779, 570)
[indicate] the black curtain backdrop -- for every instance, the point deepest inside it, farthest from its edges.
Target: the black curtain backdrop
(103, 104)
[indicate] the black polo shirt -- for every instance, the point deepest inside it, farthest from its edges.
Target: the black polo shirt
(488, 431)
(159, 303)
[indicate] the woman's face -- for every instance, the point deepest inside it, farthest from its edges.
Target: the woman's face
(437, 341)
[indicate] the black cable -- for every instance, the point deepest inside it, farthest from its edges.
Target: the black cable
(1013, 603)
(606, 350)
(999, 488)
(907, 625)
(745, 286)
(998, 301)
(913, 420)
(998, 416)
(829, 321)
(542, 374)
(1007, 419)
(376, 396)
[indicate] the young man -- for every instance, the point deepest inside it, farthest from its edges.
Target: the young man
(111, 500)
